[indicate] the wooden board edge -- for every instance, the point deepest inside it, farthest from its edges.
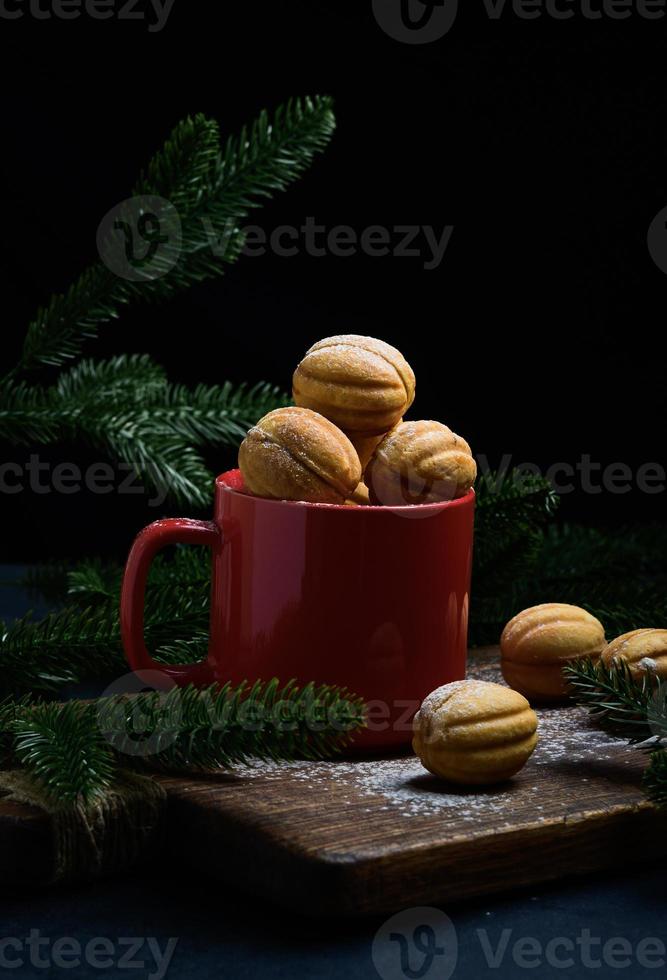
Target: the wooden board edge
(320, 885)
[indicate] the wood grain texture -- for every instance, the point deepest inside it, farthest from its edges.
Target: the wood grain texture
(364, 836)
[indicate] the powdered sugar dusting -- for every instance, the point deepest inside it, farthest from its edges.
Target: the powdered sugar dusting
(566, 738)
(568, 735)
(437, 698)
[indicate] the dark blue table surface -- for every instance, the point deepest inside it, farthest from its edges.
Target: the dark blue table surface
(608, 925)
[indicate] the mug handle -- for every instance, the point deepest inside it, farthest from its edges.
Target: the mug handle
(175, 530)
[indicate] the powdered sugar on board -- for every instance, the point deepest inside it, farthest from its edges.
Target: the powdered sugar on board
(567, 738)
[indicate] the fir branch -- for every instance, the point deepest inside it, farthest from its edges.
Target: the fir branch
(74, 750)
(93, 582)
(511, 513)
(46, 581)
(170, 466)
(618, 575)
(272, 153)
(24, 416)
(130, 379)
(84, 581)
(184, 651)
(184, 169)
(157, 432)
(211, 190)
(187, 565)
(186, 575)
(59, 330)
(10, 709)
(523, 558)
(88, 391)
(82, 640)
(64, 750)
(218, 415)
(192, 729)
(76, 643)
(628, 707)
(631, 708)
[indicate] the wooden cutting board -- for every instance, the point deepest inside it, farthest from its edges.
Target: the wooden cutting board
(363, 836)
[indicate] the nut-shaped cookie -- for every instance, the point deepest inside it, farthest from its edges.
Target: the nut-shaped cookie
(644, 651)
(365, 446)
(361, 384)
(420, 463)
(360, 497)
(296, 454)
(474, 732)
(537, 643)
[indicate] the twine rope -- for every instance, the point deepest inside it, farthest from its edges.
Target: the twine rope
(112, 833)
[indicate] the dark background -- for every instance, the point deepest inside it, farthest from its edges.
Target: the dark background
(543, 143)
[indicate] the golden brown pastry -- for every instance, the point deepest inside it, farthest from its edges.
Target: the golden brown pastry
(420, 463)
(644, 651)
(361, 384)
(474, 732)
(365, 446)
(538, 642)
(360, 496)
(296, 454)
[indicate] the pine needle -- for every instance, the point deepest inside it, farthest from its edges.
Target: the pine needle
(211, 187)
(126, 408)
(631, 708)
(74, 750)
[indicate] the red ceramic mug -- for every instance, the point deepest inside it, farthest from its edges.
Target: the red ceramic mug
(371, 598)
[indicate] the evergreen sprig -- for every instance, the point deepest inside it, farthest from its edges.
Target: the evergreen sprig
(126, 408)
(631, 707)
(61, 748)
(523, 557)
(184, 169)
(81, 642)
(212, 188)
(195, 729)
(82, 639)
(619, 574)
(628, 707)
(73, 751)
(511, 513)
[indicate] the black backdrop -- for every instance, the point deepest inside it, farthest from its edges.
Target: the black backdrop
(542, 142)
